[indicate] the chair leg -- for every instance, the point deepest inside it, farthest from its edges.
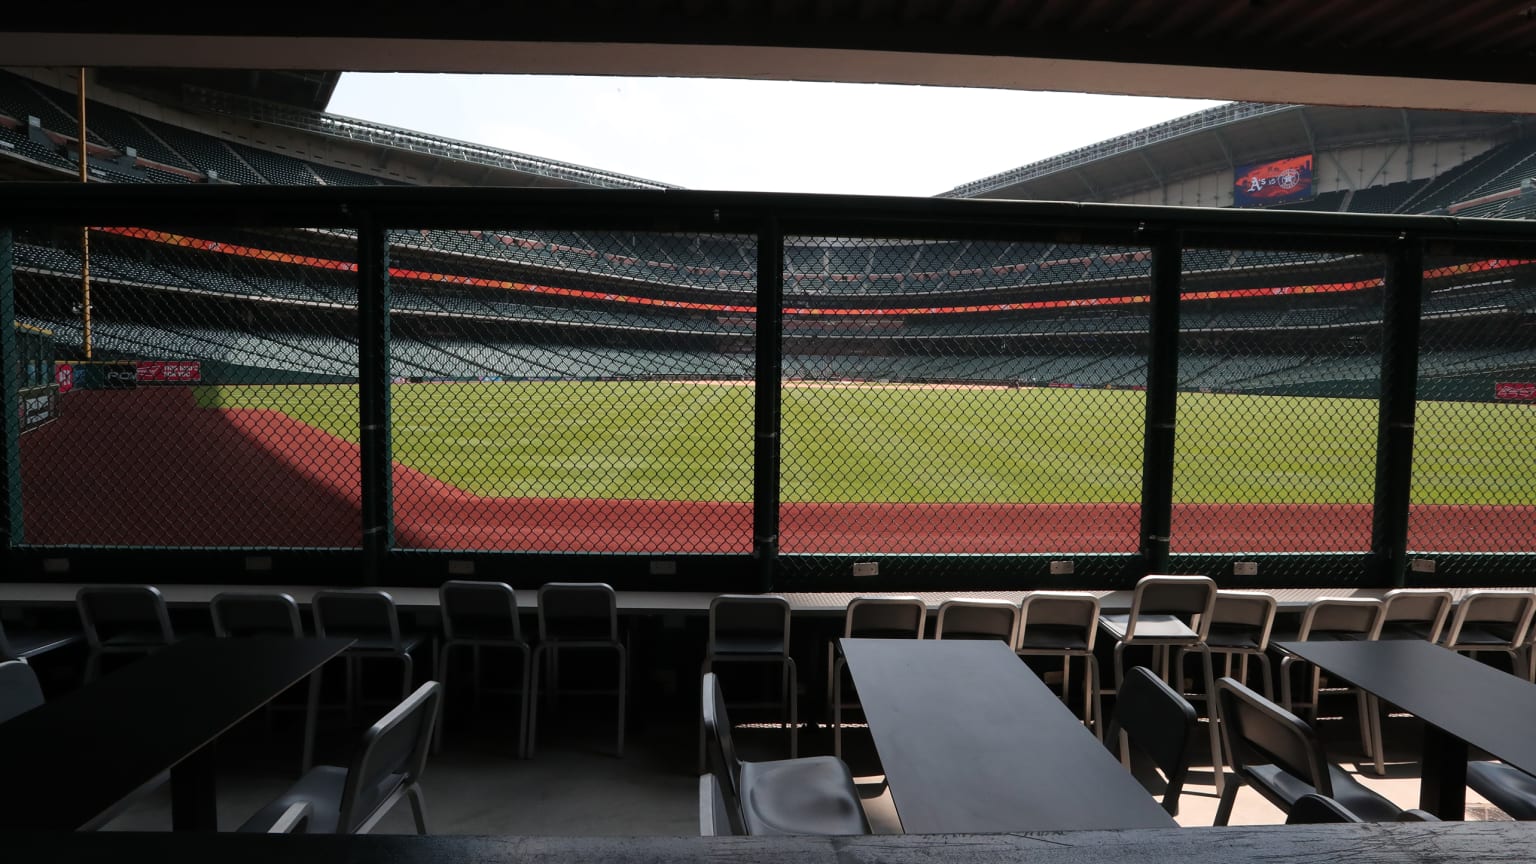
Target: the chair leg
(311, 719)
(1096, 698)
(442, 680)
(93, 667)
(523, 723)
(1373, 706)
(477, 679)
(837, 709)
(1213, 714)
(1125, 741)
(351, 663)
(704, 669)
(418, 807)
(623, 689)
(533, 701)
(1269, 678)
(793, 677)
(1228, 798)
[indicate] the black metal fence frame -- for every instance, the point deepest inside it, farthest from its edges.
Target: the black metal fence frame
(1404, 240)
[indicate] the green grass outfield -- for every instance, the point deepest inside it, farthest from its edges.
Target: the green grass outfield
(841, 443)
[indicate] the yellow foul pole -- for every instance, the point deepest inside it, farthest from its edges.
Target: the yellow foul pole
(85, 233)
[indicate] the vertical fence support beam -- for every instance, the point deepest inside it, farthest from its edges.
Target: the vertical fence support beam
(1162, 402)
(1395, 416)
(373, 395)
(10, 383)
(768, 394)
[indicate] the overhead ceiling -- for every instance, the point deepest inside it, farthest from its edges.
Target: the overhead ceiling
(1470, 55)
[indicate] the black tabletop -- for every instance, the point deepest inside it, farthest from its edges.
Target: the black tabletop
(73, 758)
(1483, 706)
(973, 741)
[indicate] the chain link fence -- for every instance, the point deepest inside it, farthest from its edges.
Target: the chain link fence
(961, 397)
(1475, 418)
(560, 391)
(594, 391)
(1278, 389)
(211, 400)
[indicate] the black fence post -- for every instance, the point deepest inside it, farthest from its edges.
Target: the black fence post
(10, 383)
(1395, 417)
(373, 395)
(1162, 402)
(766, 404)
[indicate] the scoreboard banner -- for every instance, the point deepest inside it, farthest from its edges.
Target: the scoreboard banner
(1274, 182)
(1519, 391)
(168, 371)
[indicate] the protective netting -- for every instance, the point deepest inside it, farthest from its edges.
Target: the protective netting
(1475, 418)
(573, 390)
(1278, 389)
(213, 401)
(961, 396)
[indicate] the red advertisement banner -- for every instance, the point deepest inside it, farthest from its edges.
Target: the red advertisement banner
(169, 371)
(1522, 391)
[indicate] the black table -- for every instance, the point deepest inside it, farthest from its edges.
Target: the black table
(1460, 700)
(972, 741)
(70, 761)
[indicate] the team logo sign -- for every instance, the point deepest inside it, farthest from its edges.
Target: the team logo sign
(1273, 182)
(64, 374)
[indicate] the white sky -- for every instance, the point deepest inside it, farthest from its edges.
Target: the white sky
(773, 136)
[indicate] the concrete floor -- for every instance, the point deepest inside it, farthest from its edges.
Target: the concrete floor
(575, 786)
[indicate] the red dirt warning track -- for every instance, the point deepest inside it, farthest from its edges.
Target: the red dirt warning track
(149, 467)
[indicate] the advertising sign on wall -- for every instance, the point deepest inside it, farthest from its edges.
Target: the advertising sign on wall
(1277, 181)
(1521, 391)
(169, 371)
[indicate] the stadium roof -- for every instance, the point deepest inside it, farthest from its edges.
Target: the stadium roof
(1470, 55)
(1223, 137)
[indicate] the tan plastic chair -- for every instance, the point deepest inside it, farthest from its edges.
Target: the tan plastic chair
(480, 615)
(1065, 624)
(1336, 619)
(1241, 624)
(894, 617)
(1492, 621)
(970, 618)
(580, 616)
(754, 628)
(1406, 614)
(1168, 614)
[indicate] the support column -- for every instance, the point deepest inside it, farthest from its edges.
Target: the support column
(1162, 403)
(1395, 416)
(766, 404)
(373, 396)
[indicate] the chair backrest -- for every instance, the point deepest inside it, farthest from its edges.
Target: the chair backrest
(295, 820)
(255, 614)
(896, 617)
(1160, 722)
(1424, 610)
(1341, 616)
(1246, 611)
(19, 690)
(366, 613)
(578, 612)
(1056, 614)
(1315, 809)
(393, 753)
(108, 611)
(1190, 598)
(761, 617)
(1509, 612)
(723, 763)
(1259, 732)
(479, 610)
(965, 618)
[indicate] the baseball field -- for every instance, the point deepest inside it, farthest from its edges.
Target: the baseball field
(641, 466)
